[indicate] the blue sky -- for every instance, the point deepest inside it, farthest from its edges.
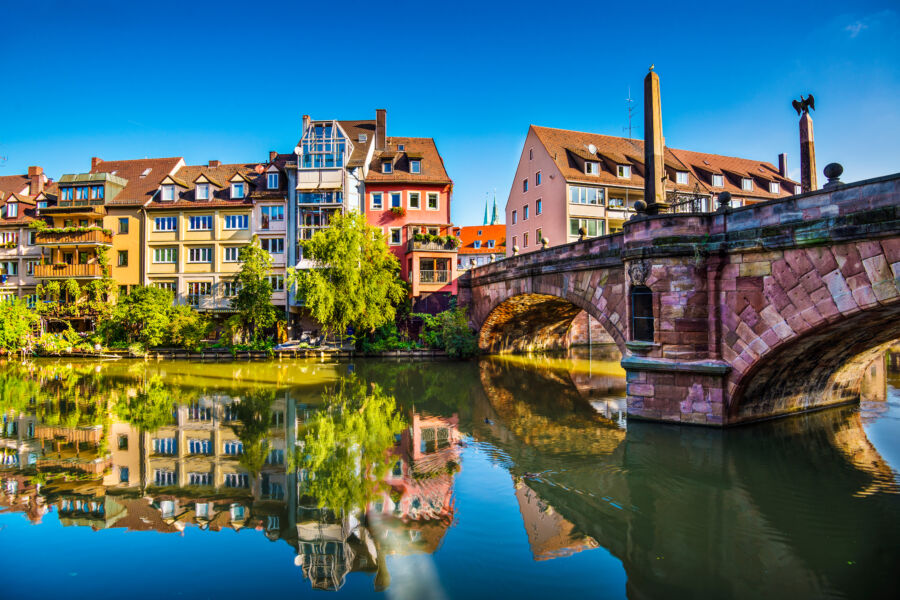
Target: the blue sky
(231, 81)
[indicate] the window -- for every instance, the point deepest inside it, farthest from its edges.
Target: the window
(230, 289)
(277, 282)
(490, 243)
(525, 212)
(525, 185)
(387, 167)
(201, 192)
(200, 223)
(413, 200)
(168, 193)
(538, 207)
(587, 195)
(476, 244)
(237, 480)
(591, 168)
(396, 236)
(237, 190)
(415, 166)
(123, 258)
(165, 223)
(234, 448)
(12, 210)
(525, 240)
(9, 237)
(377, 201)
(641, 314)
(798, 189)
(322, 145)
(432, 200)
(272, 181)
(165, 255)
(65, 194)
(515, 217)
(434, 231)
(97, 192)
(271, 214)
(123, 474)
(746, 184)
(530, 153)
(537, 178)
(592, 227)
(362, 138)
(681, 177)
(164, 477)
(29, 267)
(538, 235)
(237, 221)
(123, 225)
(200, 255)
(232, 253)
(774, 187)
(515, 241)
(199, 446)
(197, 290)
(202, 510)
(718, 181)
(204, 478)
(165, 446)
(42, 204)
(623, 171)
(272, 245)
(396, 200)
(165, 285)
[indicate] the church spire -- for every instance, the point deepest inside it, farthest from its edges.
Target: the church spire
(495, 217)
(485, 211)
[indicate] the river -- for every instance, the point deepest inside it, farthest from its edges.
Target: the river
(504, 477)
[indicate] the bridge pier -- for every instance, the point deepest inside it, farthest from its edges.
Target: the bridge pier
(676, 391)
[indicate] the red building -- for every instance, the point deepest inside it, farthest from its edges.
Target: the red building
(408, 196)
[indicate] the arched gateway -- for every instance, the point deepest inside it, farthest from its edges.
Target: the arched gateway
(721, 318)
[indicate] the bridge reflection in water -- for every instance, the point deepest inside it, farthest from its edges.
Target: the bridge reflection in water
(803, 507)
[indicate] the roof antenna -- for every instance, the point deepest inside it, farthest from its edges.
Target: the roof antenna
(629, 109)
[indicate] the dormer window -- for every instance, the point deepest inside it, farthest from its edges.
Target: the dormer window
(623, 171)
(272, 181)
(798, 189)
(490, 243)
(387, 167)
(415, 166)
(12, 210)
(774, 187)
(746, 184)
(401, 147)
(362, 138)
(718, 180)
(681, 177)
(476, 244)
(202, 191)
(42, 204)
(237, 190)
(167, 193)
(591, 168)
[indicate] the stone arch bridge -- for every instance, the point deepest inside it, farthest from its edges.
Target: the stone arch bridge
(757, 312)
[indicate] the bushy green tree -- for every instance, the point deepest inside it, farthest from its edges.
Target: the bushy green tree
(450, 331)
(142, 316)
(253, 301)
(149, 409)
(356, 279)
(254, 415)
(16, 325)
(187, 327)
(345, 445)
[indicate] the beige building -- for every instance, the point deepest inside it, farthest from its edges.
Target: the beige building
(19, 196)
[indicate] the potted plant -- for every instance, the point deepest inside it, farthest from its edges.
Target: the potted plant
(398, 211)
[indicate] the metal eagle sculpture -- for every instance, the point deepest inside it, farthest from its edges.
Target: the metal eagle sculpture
(804, 105)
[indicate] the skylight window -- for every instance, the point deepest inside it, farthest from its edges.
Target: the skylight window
(362, 138)
(401, 147)
(146, 171)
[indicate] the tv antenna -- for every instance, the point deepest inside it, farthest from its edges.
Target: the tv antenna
(629, 109)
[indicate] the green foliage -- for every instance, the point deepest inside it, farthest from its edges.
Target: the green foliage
(16, 324)
(187, 327)
(67, 340)
(254, 414)
(253, 301)
(448, 241)
(141, 316)
(345, 446)
(356, 280)
(384, 338)
(149, 409)
(449, 331)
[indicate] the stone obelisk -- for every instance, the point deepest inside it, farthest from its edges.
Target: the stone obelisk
(654, 169)
(807, 154)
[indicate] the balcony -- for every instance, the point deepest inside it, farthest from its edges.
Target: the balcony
(439, 277)
(89, 271)
(415, 246)
(73, 238)
(75, 207)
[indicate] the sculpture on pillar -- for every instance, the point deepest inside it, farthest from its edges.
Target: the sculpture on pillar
(807, 145)
(654, 146)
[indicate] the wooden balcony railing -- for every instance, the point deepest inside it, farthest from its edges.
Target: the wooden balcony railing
(92, 270)
(87, 238)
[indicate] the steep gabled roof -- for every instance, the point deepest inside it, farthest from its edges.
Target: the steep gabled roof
(470, 233)
(423, 149)
(142, 183)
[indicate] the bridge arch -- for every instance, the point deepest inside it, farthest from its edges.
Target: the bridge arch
(536, 313)
(821, 318)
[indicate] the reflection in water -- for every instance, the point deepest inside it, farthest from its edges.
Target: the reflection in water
(358, 468)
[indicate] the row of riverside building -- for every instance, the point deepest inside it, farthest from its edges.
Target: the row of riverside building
(178, 226)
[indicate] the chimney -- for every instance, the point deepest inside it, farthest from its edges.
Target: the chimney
(782, 164)
(215, 163)
(95, 161)
(272, 156)
(305, 124)
(36, 181)
(380, 118)
(654, 170)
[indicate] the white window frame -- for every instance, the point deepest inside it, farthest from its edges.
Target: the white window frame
(238, 185)
(202, 219)
(270, 242)
(277, 283)
(515, 217)
(387, 167)
(409, 202)
(201, 251)
(774, 187)
(272, 180)
(198, 188)
(437, 197)
(391, 231)
(681, 177)
(243, 219)
(591, 167)
(718, 180)
(476, 244)
(167, 190)
(380, 205)
(623, 171)
(491, 244)
(169, 255)
(746, 184)
(798, 189)
(12, 210)
(236, 250)
(525, 212)
(415, 166)
(391, 195)
(166, 221)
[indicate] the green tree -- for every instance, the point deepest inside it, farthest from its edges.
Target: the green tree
(149, 409)
(142, 316)
(355, 282)
(16, 323)
(187, 327)
(254, 413)
(253, 301)
(450, 332)
(345, 445)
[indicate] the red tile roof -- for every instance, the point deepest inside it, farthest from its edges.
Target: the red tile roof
(468, 234)
(13, 184)
(423, 149)
(140, 187)
(570, 148)
(221, 175)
